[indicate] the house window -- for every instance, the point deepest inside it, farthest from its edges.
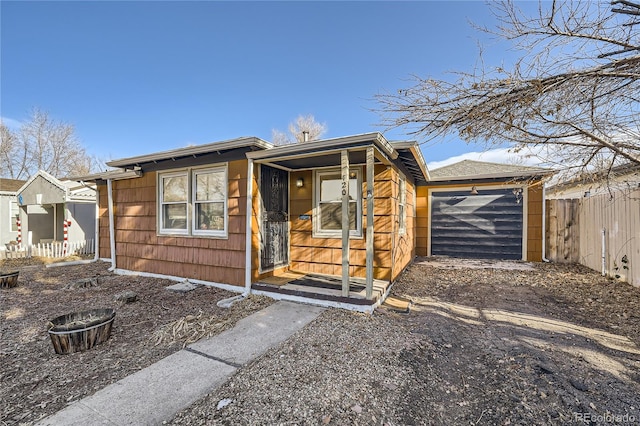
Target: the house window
(210, 201)
(402, 205)
(193, 202)
(14, 213)
(328, 206)
(174, 202)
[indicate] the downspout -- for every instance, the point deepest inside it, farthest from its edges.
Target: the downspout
(544, 223)
(226, 303)
(96, 247)
(112, 236)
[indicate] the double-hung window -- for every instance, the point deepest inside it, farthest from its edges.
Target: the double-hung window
(210, 201)
(193, 202)
(328, 205)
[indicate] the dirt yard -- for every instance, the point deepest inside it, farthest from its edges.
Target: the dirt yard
(539, 344)
(36, 382)
(552, 345)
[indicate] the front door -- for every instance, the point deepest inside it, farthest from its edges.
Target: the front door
(274, 246)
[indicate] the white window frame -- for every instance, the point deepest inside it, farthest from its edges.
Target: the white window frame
(318, 232)
(224, 200)
(191, 221)
(402, 205)
(162, 203)
(11, 216)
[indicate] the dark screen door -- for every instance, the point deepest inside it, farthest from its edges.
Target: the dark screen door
(274, 188)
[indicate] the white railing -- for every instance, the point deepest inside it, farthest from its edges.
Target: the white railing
(52, 250)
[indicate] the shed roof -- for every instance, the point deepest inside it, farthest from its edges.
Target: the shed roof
(66, 190)
(11, 185)
(470, 170)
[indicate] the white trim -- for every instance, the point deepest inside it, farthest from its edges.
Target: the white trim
(191, 173)
(12, 202)
(525, 208)
(303, 148)
(160, 204)
(225, 200)
(228, 287)
(317, 231)
(249, 229)
(402, 194)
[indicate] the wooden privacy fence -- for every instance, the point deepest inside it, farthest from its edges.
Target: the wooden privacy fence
(52, 250)
(601, 232)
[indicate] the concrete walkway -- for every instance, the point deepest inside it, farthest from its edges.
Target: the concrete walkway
(156, 393)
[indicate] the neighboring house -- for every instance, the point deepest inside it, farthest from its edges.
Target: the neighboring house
(183, 214)
(478, 209)
(46, 203)
(619, 179)
(9, 211)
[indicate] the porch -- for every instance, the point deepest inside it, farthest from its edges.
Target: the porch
(322, 288)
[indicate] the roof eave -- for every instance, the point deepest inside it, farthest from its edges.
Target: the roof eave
(193, 150)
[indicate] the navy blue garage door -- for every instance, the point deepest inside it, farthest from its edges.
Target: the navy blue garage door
(487, 225)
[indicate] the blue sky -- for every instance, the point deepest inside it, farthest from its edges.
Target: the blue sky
(140, 77)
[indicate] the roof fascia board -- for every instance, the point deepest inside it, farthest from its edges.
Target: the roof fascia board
(46, 176)
(194, 150)
(493, 175)
(306, 148)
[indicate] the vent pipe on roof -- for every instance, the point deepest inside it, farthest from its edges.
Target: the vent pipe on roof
(305, 136)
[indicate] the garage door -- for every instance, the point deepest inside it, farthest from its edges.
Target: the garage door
(487, 225)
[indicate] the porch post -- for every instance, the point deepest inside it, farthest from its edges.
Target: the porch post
(370, 185)
(344, 161)
(249, 230)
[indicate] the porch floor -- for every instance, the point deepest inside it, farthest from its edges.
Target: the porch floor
(322, 287)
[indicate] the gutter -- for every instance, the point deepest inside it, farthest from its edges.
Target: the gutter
(112, 236)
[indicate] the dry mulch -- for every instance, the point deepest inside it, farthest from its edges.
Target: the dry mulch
(557, 344)
(36, 382)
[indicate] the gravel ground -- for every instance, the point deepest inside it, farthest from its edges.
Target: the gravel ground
(546, 344)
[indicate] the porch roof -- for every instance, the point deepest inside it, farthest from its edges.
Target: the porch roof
(326, 152)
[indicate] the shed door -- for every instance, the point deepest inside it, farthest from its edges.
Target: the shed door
(487, 225)
(274, 189)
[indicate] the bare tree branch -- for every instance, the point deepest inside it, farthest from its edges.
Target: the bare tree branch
(574, 89)
(43, 144)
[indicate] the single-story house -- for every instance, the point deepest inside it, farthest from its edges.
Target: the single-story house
(47, 203)
(332, 221)
(9, 211)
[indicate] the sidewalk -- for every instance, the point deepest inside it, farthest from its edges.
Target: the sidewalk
(156, 393)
